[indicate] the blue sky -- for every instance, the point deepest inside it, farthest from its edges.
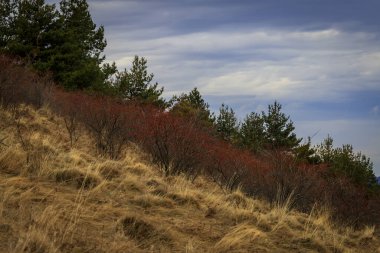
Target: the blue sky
(319, 58)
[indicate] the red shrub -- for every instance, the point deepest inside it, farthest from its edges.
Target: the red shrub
(175, 144)
(227, 165)
(69, 106)
(309, 185)
(301, 181)
(21, 85)
(352, 204)
(111, 122)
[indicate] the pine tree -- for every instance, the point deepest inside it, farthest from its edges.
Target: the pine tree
(344, 161)
(65, 42)
(7, 9)
(226, 123)
(306, 153)
(325, 150)
(29, 26)
(192, 105)
(78, 46)
(252, 132)
(279, 128)
(135, 84)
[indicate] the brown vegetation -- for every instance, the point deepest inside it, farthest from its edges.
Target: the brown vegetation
(88, 173)
(76, 201)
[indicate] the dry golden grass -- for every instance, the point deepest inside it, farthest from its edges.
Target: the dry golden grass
(58, 198)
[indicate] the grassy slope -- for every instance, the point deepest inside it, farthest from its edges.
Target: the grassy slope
(54, 198)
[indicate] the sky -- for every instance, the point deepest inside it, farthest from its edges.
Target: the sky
(319, 58)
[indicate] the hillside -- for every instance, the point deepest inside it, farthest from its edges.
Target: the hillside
(57, 198)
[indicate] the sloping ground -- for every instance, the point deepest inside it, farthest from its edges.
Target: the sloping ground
(57, 198)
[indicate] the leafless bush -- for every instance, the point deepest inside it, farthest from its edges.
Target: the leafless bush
(110, 123)
(18, 84)
(175, 144)
(68, 105)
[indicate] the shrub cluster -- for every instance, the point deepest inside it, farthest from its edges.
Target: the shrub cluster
(21, 85)
(182, 145)
(175, 144)
(110, 122)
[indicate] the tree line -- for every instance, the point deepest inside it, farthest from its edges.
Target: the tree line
(64, 41)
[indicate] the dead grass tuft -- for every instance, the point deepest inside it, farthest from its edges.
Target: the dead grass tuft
(7, 237)
(160, 191)
(36, 242)
(110, 170)
(152, 183)
(12, 161)
(242, 238)
(183, 199)
(138, 169)
(144, 232)
(77, 178)
(237, 199)
(137, 229)
(148, 201)
(311, 245)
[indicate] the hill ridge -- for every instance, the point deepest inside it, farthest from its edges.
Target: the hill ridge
(57, 198)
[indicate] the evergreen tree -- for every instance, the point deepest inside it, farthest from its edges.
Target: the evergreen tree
(29, 25)
(65, 42)
(252, 132)
(135, 84)
(344, 161)
(279, 128)
(7, 10)
(325, 150)
(192, 105)
(226, 123)
(306, 153)
(108, 72)
(78, 46)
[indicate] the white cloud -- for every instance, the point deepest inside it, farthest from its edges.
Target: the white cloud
(312, 65)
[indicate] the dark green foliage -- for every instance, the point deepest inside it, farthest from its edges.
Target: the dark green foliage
(325, 150)
(226, 123)
(252, 132)
(192, 105)
(31, 25)
(108, 71)
(77, 47)
(344, 161)
(135, 84)
(78, 24)
(279, 129)
(6, 11)
(306, 153)
(271, 130)
(65, 42)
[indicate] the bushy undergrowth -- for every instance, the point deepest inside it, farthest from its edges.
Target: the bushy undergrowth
(19, 85)
(180, 145)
